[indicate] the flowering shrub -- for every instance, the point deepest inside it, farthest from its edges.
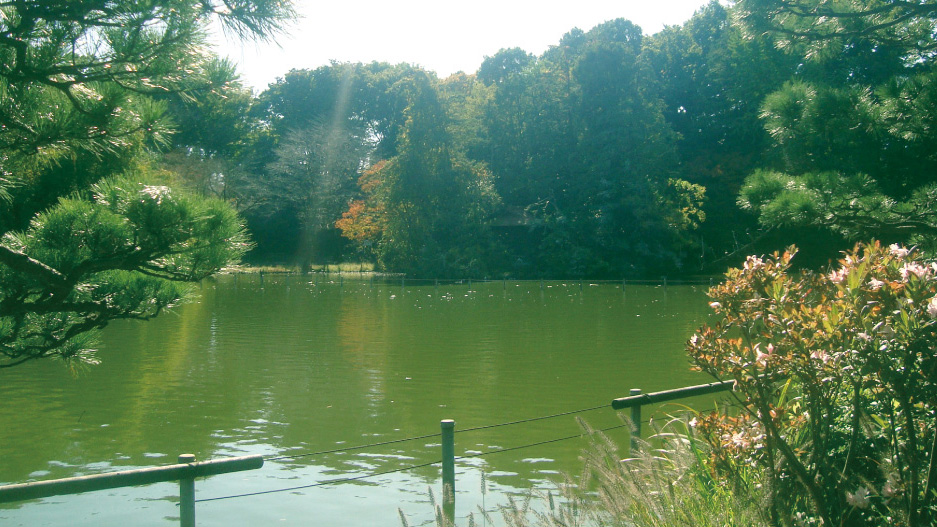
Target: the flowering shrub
(837, 384)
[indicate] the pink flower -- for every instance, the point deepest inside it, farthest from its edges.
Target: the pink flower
(838, 276)
(760, 357)
(875, 285)
(913, 268)
(821, 356)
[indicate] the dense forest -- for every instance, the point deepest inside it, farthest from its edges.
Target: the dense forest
(612, 154)
(132, 160)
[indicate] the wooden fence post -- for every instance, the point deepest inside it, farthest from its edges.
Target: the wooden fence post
(448, 469)
(187, 495)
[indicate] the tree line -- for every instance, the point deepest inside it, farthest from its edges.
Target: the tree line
(612, 154)
(126, 148)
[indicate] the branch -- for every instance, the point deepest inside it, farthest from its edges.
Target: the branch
(32, 267)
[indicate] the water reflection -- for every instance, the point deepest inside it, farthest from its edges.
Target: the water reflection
(295, 365)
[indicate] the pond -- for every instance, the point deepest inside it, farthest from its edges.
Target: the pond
(313, 367)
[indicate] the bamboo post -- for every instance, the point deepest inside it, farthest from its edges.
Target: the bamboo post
(635, 422)
(448, 469)
(187, 494)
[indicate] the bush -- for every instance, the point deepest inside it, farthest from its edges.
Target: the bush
(837, 383)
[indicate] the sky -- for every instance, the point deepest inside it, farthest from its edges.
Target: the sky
(439, 35)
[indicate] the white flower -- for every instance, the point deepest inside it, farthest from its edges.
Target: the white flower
(897, 250)
(875, 285)
(715, 305)
(932, 308)
(739, 440)
(859, 499)
(890, 489)
(752, 263)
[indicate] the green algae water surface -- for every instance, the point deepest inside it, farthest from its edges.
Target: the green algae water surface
(304, 370)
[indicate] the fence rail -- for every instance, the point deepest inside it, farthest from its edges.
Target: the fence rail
(639, 399)
(184, 472)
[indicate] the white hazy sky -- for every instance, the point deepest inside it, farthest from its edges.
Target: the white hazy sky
(441, 35)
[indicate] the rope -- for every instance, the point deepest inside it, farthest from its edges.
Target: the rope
(352, 448)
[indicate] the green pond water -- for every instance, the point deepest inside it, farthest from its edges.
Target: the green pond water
(288, 366)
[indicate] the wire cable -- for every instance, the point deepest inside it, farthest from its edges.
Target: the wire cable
(401, 469)
(429, 436)
(521, 421)
(539, 443)
(321, 483)
(352, 448)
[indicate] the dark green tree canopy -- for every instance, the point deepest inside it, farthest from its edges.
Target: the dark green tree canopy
(88, 232)
(853, 145)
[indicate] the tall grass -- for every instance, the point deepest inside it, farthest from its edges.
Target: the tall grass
(664, 483)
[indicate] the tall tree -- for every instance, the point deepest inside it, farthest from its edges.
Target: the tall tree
(312, 180)
(577, 141)
(83, 238)
(712, 81)
(435, 204)
(854, 138)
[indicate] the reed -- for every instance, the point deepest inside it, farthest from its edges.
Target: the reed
(664, 482)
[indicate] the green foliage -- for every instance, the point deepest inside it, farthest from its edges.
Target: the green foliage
(84, 89)
(835, 374)
(122, 253)
(852, 205)
(577, 140)
(712, 82)
(823, 29)
(853, 151)
(434, 202)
